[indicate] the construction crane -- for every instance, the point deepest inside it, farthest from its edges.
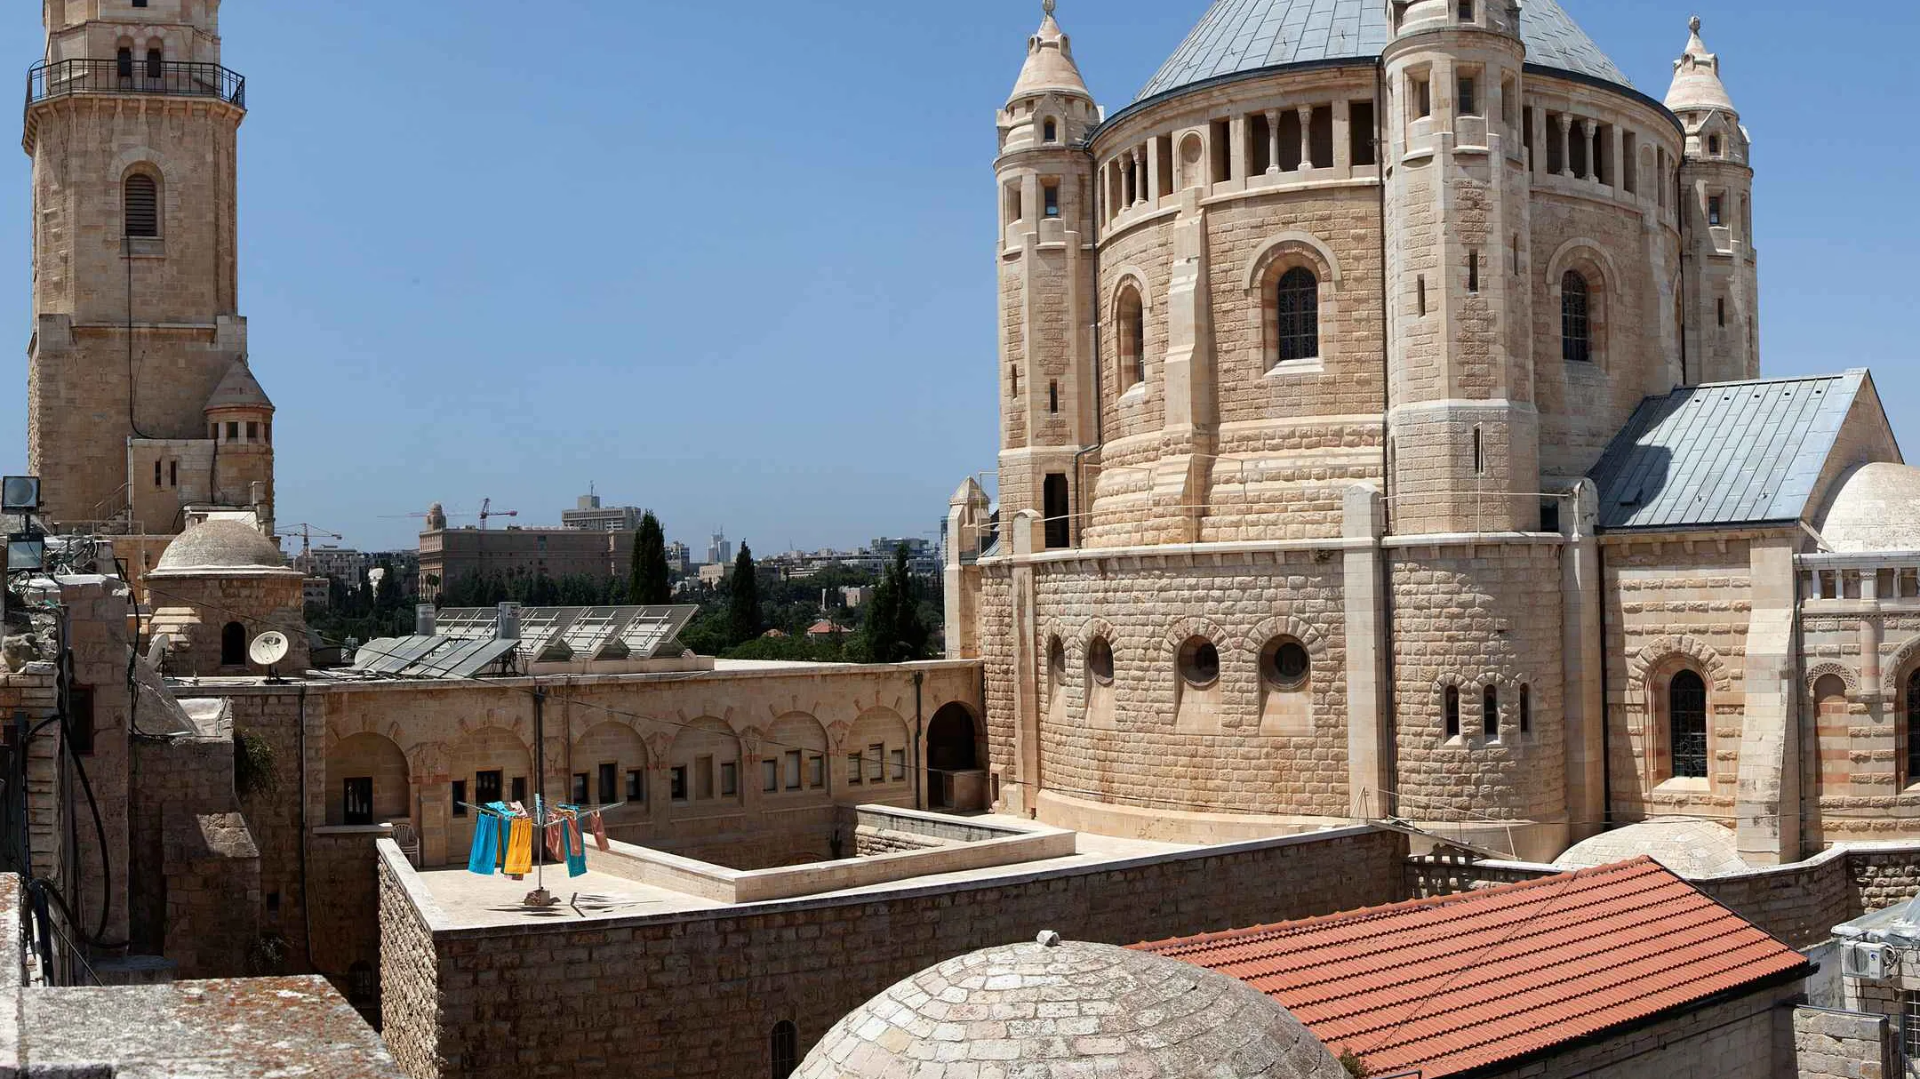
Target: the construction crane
(306, 533)
(487, 510)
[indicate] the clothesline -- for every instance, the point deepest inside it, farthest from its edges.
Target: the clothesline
(503, 836)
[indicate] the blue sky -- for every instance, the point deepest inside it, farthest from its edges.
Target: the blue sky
(731, 261)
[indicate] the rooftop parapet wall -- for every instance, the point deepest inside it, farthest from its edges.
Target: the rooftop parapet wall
(689, 995)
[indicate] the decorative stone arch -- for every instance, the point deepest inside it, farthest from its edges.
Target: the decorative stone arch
(1895, 671)
(429, 762)
(1462, 685)
(1128, 355)
(1841, 671)
(1588, 258)
(1129, 274)
(1271, 261)
(1182, 630)
(1306, 633)
(1660, 656)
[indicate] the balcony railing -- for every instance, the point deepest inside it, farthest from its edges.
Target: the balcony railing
(72, 77)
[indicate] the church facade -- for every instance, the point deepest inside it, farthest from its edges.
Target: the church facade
(1383, 436)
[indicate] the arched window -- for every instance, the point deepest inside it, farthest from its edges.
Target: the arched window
(1576, 324)
(1100, 661)
(1051, 132)
(1490, 712)
(1452, 709)
(784, 1044)
(1200, 663)
(123, 62)
(143, 206)
(1713, 145)
(156, 64)
(1298, 304)
(1132, 317)
(233, 645)
(1687, 724)
(1913, 727)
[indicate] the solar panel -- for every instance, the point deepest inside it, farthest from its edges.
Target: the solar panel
(654, 628)
(392, 656)
(483, 654)
(558, 634)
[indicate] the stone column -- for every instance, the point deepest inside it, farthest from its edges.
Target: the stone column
(1566, 145)
(1343, 136)
(1767, 808)
(1242, 160)
(1620, 162)
(1141, 194)
(1369, 741)
(1306, 137)
(1581, 650)
(1154, 179)
(1540, 136)
(1022, 795)
(1273, 142)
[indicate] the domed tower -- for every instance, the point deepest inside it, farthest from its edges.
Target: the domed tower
(221, 584)
(132, 125)
(1716, 185)
(240, 423)
(1046, 300)
(1463, 430)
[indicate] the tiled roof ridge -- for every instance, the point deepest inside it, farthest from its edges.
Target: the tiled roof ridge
(1600, 980)
(1635, 1009)
(1698, 916)
(1281, 930)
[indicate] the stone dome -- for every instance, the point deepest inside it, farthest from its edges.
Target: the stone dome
(221, 545)
(1058, 1007)
(1691, 848)
(1876, 509)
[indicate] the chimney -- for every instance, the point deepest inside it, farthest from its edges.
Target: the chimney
(423, 620)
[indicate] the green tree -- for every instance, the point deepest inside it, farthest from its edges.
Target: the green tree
(895, 631)
(652, 585)
(743, 604)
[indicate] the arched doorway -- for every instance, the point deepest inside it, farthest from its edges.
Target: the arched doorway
(954, 777)
(233, 645)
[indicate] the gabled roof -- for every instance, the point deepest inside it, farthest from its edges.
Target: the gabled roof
(238, 389)
(1240, 36)
(1724, 454)
(1460, 982)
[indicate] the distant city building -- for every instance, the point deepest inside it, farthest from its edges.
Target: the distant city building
(719, 549)
(855, 595)
(338, 563)
(591, 516)
(679, 558)
(317, 592)
(449, 555)
(716, 573)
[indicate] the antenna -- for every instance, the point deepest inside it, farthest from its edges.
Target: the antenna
(268, 649)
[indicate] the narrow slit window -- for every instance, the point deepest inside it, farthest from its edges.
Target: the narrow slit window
(1451, 708)
(1526, 709)
(1051, 193)
(1051, 132)
(1422, 94)
(1490, 712)
(1576, 328)
(1469, 96)
(1473, 271)
(1713, 210)
(1479, 452)
(1722, 305)
(1053, 396)
(1422, 288)
(173, 473)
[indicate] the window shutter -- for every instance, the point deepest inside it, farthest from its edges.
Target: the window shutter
(143, 206)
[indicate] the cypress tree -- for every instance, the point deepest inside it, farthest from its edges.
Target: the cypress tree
(651, 585)
(894, 632)
(743, 608)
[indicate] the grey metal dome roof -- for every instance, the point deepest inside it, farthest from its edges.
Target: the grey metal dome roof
(220, 544)
(1239, 36)
(1066, 1008)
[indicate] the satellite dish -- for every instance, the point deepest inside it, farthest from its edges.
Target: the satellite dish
(269, 648)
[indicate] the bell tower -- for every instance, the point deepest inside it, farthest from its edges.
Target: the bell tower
(1046, 241)
(132, 124)
(1716, 185)
(1464, 433)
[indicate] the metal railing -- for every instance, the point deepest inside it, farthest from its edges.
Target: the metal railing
(119, 76)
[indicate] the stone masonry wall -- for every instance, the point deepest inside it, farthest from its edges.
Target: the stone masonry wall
(1829, 1044)
(1160, 742)
(691, 996)
(1735, 1039)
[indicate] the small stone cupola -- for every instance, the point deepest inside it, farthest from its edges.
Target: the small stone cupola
(1696, 78)
(1050, 104)
(240, 423)
(219, 585)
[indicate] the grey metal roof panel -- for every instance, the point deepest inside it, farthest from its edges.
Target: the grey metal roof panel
(1238, 36)
(1724, 454)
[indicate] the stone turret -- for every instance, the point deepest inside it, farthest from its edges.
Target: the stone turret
(1463, 426)
(1046, 226)
(1716, 183)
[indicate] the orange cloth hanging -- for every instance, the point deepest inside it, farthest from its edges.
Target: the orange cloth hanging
(520, 848)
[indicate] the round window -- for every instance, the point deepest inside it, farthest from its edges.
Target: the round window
(1100, 661)
(1200, 663)
(1288, 665)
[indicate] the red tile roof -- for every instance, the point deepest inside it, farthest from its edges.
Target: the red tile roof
(1459, 982)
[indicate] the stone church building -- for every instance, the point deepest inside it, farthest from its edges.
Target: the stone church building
(1383, 435)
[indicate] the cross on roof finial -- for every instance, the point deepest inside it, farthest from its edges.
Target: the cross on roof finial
(1047, 6)
(1694, 24)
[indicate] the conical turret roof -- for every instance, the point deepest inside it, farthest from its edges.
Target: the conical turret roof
(1696, 78)
(239, 389)
(1050, 66)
